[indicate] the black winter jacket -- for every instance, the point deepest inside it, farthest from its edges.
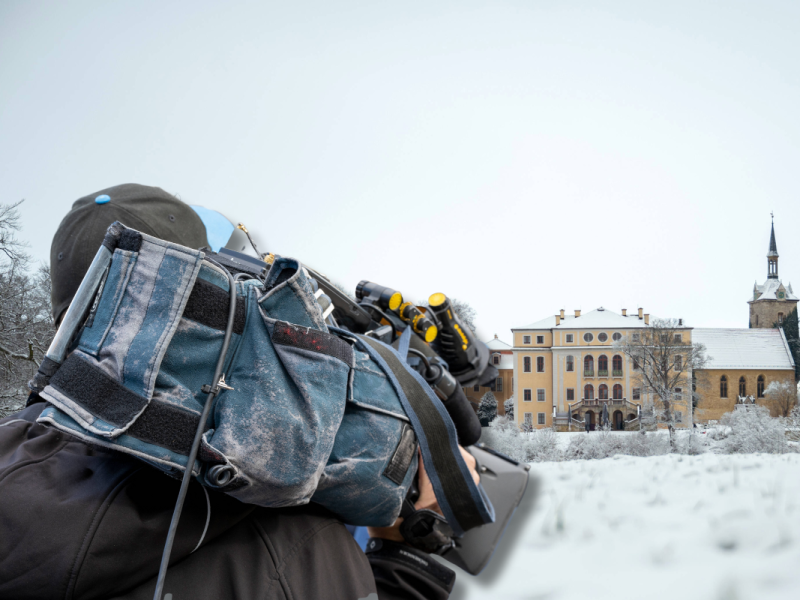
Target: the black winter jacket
(82, 523)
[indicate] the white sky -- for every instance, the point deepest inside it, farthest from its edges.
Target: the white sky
(522, 156)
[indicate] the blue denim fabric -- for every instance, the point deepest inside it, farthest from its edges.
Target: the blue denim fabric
(298, 425)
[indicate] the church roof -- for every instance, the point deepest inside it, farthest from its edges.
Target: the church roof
(770, 289)
(773, 247)
(763, 349)
(600, 318)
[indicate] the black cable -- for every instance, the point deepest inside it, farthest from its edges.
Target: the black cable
(187, 474)
(423, 357)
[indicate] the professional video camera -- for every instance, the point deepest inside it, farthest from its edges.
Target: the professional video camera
(310, 372)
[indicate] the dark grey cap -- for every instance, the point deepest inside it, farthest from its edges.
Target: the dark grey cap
(150, 210)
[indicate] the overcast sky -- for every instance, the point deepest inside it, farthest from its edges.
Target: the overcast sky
(522, 156)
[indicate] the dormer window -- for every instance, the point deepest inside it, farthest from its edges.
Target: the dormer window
(495, 359)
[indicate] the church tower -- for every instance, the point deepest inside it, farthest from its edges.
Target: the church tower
(772, 302)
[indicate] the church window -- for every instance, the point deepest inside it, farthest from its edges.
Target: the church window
(742, 386)
(526, 364)
(540, 364)
(603, 337)
(723, 387)
(588, 392)
(570, 363)
(780, 318)
(588, 337)
(756, 320)
(602, 393)
(760, 386)
(617, 392)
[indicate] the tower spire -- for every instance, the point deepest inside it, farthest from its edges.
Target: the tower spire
(772, 255)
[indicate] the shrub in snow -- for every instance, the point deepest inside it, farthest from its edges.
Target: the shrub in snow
(692, 444)
(605, 444)
(753, 430)
(542, 445)
(487, 409)
(539, 445)
(508, 405)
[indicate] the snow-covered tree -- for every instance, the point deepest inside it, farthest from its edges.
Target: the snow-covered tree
(26, 324)
(781, 397)
(508, 405)
(663, 364)
(752, 429)
(791, 328)
(487, 409)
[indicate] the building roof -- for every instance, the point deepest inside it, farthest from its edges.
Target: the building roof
(506, 362)
(770, 288)
(600, 318)
(497, 344)
(744, 348)
(773, 247)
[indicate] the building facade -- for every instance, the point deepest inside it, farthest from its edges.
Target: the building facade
(567, 368)
(501, 357)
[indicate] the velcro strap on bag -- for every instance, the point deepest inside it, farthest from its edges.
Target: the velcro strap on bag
(463, 503)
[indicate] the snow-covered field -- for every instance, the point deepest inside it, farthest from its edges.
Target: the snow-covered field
(711, 527)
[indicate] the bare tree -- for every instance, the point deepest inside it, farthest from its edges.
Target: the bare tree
(663, 363)
(781, 397)
(26, 323)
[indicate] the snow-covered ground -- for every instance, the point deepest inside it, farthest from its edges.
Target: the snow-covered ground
(710, 527)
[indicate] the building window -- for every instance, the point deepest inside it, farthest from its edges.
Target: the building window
(616, 364)
(570, 363)
(526, 339)
(528, 420)
(526, 364)
(678, 362)
(540, 364)
(678, 393)
(617, 392)
(636, 337)
(588, 337)
(760, 386)
(780, 318)
(616, 337)
(637, 393)
(495, 359)
(723, 387)
(679, 416)
(602, 393)
(476, 388)
(742, 386)
(588, 366)
(540, 339)
(756, 320)
(498, 384)
(588, 392)
(602, 366)
(635, 364)
(526, 395)
(603, 337)
(541, 418)
(678, 338)
(570, 338)
(540, 395)
(570, 394)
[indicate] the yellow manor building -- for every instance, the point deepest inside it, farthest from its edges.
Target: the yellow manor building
(566, 367)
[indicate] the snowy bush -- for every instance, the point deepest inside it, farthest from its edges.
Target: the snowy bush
(508, 405)
(753, 430)
(692, 444)
(542, 445)
(504, 436)
(604, 444)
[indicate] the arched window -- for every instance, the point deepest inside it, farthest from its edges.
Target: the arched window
(617, 392)
(616, 363)
(588, 366)
(742, 386)
(602, 365)
(780, 318)
(602, 392)
(570, 363)
(723, 387)
(588, 392)
(760, 386)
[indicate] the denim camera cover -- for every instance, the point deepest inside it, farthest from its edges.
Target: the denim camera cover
(311, 416)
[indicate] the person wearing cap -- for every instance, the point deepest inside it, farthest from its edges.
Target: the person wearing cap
(81, 522)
